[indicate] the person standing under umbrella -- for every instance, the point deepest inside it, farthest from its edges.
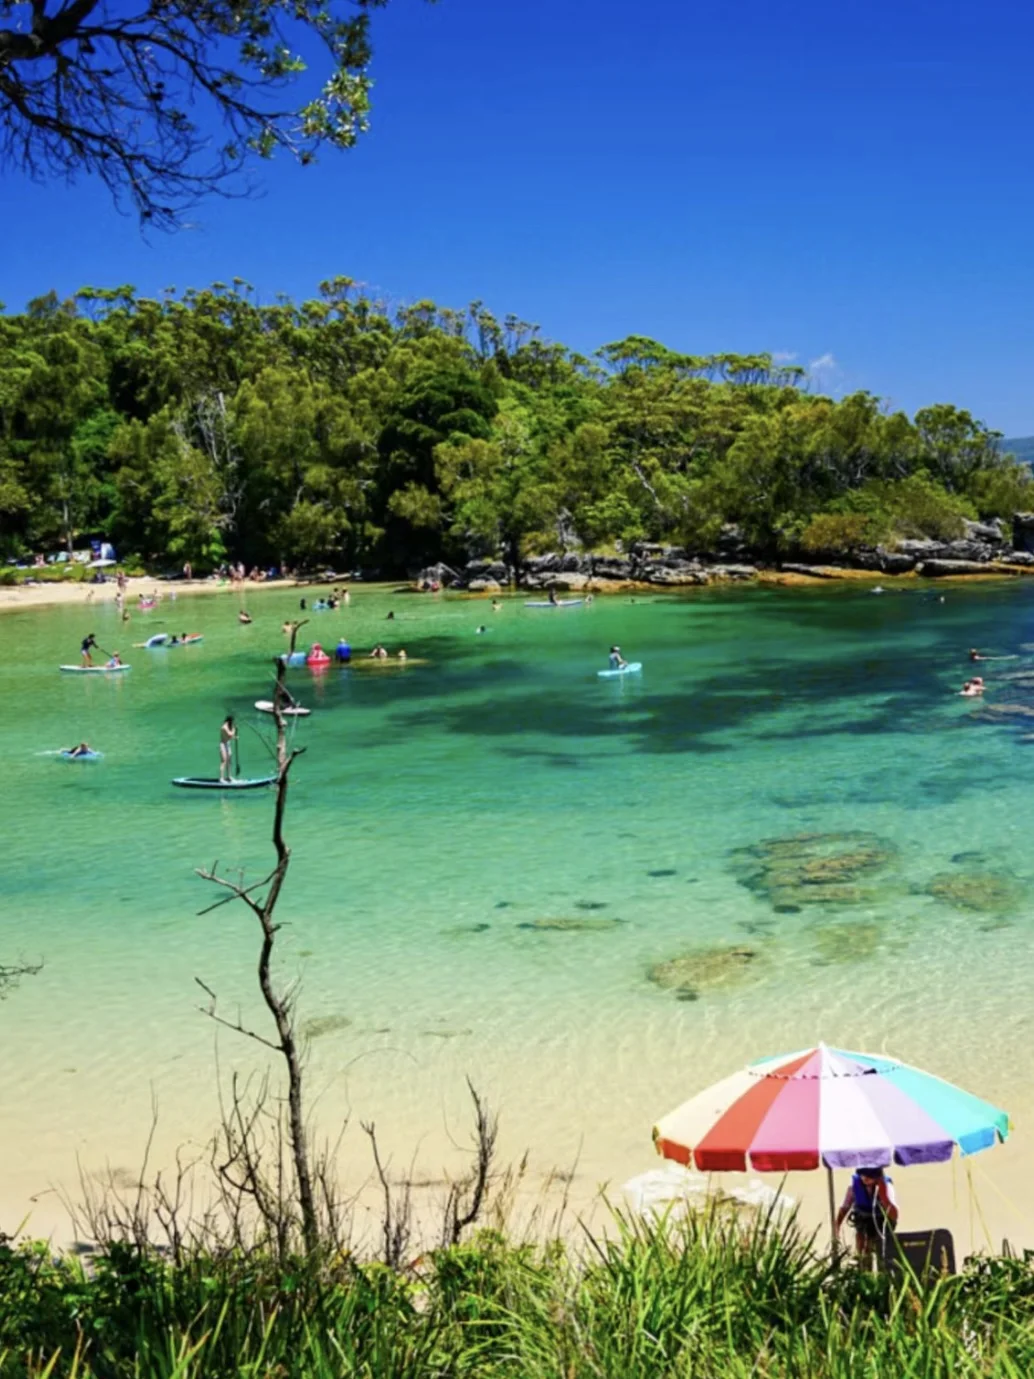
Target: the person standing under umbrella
(872, 1205)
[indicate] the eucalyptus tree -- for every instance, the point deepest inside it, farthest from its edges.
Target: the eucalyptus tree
(130, 93)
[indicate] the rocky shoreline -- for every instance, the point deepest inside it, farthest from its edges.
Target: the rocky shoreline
(984, 548)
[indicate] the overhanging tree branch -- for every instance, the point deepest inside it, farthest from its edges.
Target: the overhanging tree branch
(132, 98)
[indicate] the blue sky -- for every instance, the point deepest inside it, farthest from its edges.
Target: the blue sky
(844, 182)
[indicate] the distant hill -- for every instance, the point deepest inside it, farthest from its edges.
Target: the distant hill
(1020, 446)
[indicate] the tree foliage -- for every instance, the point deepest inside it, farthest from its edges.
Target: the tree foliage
(207, 426)
(130, 92)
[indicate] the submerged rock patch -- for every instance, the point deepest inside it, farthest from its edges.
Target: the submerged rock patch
(320, 1025)
(700, 970)
(813, 868)
(571, 924)
(984, 892)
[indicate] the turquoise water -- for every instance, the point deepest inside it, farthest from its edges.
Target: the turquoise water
(442, 810)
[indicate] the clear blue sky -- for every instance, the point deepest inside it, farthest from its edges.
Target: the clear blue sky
(847, 182)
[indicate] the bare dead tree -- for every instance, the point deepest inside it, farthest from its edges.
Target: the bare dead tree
(397, 1211)
(466, 1195)
(261, 899)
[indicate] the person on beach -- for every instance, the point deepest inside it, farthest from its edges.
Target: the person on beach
(872, 1205)
(86, 646)
(243, 617)
(617, 661)
(227, 735)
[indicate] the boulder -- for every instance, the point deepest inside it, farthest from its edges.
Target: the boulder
(485, 586)
(730, 544)
(813, 571)
(487, 569)
(1023, 531)
(443, 574)
(937, 569)
(895, 562)
(574, 564)
(567, 581)
(542, 564)
(734, 571)
(920, 548)
(611, 567)
(990, 533)
(671, 574)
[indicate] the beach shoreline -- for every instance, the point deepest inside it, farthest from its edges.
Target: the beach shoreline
(90, 596)
(82, 595)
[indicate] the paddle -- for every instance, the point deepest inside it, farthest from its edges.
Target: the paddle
(236, 752)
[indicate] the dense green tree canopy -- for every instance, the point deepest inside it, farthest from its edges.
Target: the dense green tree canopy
(207, 426)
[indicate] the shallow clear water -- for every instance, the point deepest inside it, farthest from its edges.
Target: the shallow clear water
(441, 809)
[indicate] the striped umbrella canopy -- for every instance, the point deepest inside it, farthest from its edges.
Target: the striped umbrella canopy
(827, 1107)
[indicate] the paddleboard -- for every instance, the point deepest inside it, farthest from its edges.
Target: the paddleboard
(187, 641)
(631, 669)
(289, 711)
(80, 756)
(383, 662)
(93, 670)
(158, 639)
(213, 783)
(560, 603)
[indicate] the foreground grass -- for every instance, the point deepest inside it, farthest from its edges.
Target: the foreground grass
(699, 1299)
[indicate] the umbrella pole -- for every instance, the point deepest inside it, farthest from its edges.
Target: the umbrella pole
(832, 1213)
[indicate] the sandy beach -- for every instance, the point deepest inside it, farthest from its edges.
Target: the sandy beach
(70, 594)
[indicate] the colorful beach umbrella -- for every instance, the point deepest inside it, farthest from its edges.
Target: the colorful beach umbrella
(830, 1108)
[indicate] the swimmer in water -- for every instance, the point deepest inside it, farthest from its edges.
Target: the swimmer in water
(496, 605)
(83, 750)
(390, 617)
(243, 617)
(481, 629)
(402, 655)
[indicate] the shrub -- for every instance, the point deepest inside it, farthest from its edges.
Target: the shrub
(840, 532)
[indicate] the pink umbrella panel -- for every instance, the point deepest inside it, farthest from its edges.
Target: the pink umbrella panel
(830, 1107)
